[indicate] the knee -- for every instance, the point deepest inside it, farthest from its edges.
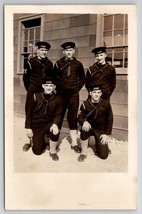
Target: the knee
(37, 152)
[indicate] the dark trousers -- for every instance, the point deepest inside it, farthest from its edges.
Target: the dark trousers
(70, 103)
(102, 150)
(39, 144)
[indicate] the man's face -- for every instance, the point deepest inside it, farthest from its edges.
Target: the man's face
(42, 53)
(95, 95)
(48, 88)
(101, 58)
(69, 53)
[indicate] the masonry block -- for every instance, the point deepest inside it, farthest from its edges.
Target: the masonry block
(120, 122)
(120, 110)
(79, 20)
(92, 41)
(122, 86)
(71, 32)
(16, 82)
(59, 24)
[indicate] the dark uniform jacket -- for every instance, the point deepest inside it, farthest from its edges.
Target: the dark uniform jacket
(104, 75)
(99, 115)
(70, 76)
(37, 69)
(43, 109)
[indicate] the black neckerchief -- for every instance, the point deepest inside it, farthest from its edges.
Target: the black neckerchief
(94, 112)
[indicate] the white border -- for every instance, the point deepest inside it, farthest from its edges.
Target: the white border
(96, 195)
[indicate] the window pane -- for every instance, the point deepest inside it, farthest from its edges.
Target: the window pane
(108, 23)
(25, 34)
(25, 46)
(118, 40)
(126, 60)
(108, 41)
(118, 21)
(118, 32)
(37, 33)
(116, 50)
(118, 60)
(31, 37)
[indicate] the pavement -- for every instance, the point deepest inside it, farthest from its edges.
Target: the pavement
(68, 159)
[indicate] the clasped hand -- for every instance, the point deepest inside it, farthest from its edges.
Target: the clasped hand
(29, 133)
(104, 139)
(54, 129)
(86, 126)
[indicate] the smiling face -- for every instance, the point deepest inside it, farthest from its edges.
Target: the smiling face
(48, 88)
(101, 58)
(42, 53)
(95, 95)
(69, 53)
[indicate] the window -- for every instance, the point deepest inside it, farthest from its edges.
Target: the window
(30, 36)
(115, 37)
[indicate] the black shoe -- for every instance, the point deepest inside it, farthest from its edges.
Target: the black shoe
(81, 158)
(26, 147)
(76, 149)
(54, 157)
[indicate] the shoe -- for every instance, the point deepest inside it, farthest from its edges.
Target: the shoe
(26, 147)
(76, 149)
(81, 158)
(54, 157)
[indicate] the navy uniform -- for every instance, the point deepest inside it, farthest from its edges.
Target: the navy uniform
(70, 77)
(101, 74)
(43, 111)
(36, 69)
(100, 117)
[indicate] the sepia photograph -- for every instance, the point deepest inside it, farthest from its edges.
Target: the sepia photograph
(70, 107)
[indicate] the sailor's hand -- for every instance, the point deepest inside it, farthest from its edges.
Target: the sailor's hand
(86, 126)
(54, 129)
(104, 139)
(29, 133)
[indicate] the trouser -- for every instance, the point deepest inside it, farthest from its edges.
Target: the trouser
(39, 144)
(102, 150)
(70, 103)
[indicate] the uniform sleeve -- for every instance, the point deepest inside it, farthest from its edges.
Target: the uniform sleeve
(87, 79)
(27, 75)
(58, 112)
(109, 120)
(29, 112)
(113, 80)
(81, 76)
(56, 72)
(82, 114)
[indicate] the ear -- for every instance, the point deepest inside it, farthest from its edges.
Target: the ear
(43, 86)
(105, 54)
(90, 93)
(73, 51)
(64, 52)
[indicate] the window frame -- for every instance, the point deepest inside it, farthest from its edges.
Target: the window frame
(120, 70)
(20, 32)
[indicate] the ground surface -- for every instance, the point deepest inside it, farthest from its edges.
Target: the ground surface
(28, 162)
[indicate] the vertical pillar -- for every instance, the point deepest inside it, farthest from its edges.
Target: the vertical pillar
(99, 30)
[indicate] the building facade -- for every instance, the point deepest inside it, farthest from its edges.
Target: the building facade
(87, 31)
